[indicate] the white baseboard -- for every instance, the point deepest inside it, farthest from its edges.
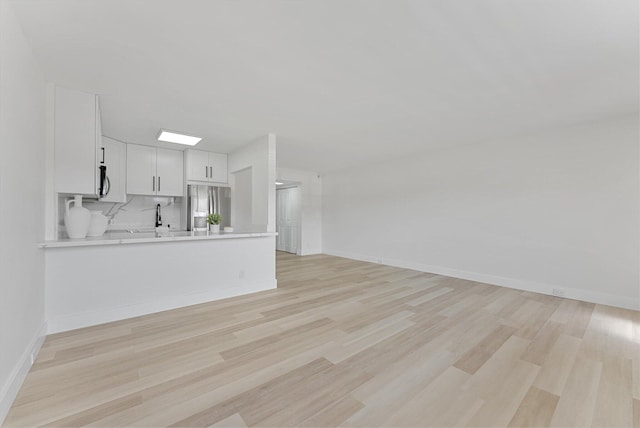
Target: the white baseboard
(310, 252)
(518, 284)
(11, 387)
(85, 319)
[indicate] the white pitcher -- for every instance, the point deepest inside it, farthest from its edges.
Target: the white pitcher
(98, 223)
(76, 219)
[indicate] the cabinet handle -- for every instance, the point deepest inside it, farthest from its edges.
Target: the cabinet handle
(211, 172)
(102, 148)
(206, 171)
(158, 183)
(154, 183)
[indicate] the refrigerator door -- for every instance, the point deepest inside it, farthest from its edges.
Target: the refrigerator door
(197, 207)
(203, 200)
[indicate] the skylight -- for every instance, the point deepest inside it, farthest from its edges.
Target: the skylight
(175, 137)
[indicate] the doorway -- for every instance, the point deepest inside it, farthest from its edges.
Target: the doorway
(288, 216)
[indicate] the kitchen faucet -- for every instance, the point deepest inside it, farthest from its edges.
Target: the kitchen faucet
(158, 216)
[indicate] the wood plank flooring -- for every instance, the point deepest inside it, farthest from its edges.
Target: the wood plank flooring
(342, 342)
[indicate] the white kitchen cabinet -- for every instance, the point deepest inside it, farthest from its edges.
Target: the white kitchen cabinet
(218, 162)
(154, 171)
(114, 157)
(197, 165)
(77, 141)
(206, 166)
(170, 172)
(141, 170)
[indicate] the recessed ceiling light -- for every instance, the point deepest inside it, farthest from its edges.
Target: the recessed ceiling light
(174, 137)
(278, 183)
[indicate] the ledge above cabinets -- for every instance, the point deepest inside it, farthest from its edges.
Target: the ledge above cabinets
(207, 167)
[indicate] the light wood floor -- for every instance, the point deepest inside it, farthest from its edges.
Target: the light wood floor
(343, 342)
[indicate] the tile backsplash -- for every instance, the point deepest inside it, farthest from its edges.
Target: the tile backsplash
(139, 212)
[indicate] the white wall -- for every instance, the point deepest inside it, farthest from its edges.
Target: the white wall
(554, 210)
(22, 154)
(242, 199)
(311, 188)
(260, 156)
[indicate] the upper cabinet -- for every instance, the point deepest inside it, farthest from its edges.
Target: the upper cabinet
(218, 163)
(77, 142)
(113, 156)
(205, 166)
(154, 171)
(170, 171)
(141, 170)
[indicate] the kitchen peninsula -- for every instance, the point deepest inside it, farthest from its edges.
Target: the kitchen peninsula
(97, 280)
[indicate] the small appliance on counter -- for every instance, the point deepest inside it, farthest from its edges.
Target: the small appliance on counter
(203, 200)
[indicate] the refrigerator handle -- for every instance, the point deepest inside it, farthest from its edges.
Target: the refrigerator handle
(210, 200)
(216, 196)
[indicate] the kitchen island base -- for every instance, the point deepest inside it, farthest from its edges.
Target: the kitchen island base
(89, 285)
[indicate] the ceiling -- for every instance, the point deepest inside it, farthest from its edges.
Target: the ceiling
(340, 82)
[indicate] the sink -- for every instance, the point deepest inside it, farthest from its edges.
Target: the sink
(135, 234)
(180, 233)
(129, 235)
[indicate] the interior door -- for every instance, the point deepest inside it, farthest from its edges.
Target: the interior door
(280, 219)
(288, 219)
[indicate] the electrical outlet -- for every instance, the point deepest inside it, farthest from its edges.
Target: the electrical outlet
(558, 292)
(241, 274)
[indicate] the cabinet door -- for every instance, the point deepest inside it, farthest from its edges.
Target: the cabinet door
(75, 142)
(141, 170)
(170, 170)
(197, 164)
(114, 156)
(218, 163)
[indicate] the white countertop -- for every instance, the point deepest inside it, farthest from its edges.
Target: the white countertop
(124, 237)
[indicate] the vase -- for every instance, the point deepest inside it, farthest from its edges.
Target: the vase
(98, 224)
(214, 228)
(76, 219)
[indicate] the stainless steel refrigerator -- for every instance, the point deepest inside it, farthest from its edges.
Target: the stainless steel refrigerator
(203, 200)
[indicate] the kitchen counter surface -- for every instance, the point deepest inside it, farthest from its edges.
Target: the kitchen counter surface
(127, 238)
